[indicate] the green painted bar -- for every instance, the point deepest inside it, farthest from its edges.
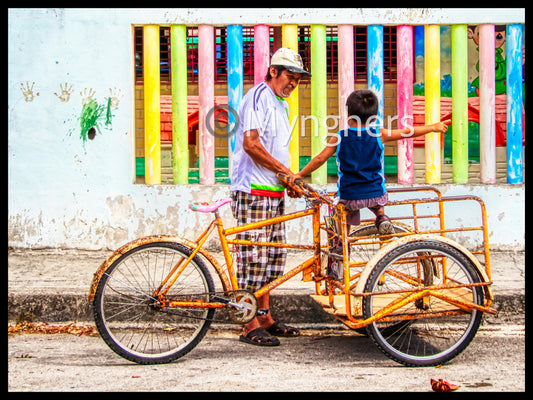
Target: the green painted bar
(180, 133)
(459, 103)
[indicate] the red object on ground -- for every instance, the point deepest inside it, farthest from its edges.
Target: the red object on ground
(443, 386)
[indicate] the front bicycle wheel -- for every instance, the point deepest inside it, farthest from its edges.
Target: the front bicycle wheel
(128, 315)
(440, 328)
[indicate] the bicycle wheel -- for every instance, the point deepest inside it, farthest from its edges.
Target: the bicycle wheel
(128, 316)
(439, 330)
(367, 248)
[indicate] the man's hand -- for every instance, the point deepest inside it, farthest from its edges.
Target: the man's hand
(293, 193)
(292, 178)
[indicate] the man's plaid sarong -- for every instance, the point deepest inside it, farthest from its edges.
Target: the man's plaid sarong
(259, 265)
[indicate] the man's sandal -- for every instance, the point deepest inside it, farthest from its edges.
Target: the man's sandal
(259, 337)
(282, 330)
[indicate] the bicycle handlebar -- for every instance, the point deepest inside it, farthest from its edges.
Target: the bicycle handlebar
(304, 189)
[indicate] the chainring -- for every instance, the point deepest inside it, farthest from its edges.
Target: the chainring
(243, 306)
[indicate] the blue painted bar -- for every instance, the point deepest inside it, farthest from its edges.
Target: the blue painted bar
(375, 65)
(514, 104)
(235, 83)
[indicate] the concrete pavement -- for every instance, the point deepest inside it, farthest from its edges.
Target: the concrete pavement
(53, 285)
(319, 360)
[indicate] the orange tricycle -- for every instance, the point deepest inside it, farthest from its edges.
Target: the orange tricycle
(417, 293)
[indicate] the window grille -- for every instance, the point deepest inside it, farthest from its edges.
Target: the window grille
(360, 56)
(304, 49)
(192, 55)
(389, 53)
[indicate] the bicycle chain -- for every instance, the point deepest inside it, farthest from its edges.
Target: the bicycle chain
(241, 305)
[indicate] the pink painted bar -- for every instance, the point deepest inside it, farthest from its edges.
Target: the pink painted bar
(206, 93)
(261, 52)
(346, 70)
(487, 104)
(405, 101)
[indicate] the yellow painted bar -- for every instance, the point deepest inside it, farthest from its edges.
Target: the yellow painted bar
(180, 132)
(432, 100)
(289, 38)
(152, 108)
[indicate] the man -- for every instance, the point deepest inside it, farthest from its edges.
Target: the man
(262, 151)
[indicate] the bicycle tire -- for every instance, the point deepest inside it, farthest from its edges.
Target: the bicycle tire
(367, 253)
(426, 341)
(125, 313)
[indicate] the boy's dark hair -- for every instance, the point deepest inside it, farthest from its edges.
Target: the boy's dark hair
(363, 104)
(279, 68)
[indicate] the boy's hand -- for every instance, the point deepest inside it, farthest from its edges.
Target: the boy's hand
(442, 126)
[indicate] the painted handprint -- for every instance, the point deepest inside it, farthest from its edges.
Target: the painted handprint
(116, 95)
(65, 92)
(28, 91)
(87, 95)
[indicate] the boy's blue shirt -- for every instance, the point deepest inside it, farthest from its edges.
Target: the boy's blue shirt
(360, 164)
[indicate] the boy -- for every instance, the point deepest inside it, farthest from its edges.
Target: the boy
(360, 159)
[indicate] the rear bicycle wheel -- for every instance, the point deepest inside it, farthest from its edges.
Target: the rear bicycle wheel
(440, 330)
(128, 316)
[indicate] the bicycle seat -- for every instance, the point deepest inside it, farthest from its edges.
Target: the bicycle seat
(210, 206)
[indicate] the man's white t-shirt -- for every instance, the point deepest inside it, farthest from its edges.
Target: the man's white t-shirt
(262, 110)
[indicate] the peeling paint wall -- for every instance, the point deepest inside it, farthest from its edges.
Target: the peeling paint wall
(68, 191)
(112, 220)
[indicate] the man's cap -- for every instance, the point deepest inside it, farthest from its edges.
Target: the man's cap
(289, 59)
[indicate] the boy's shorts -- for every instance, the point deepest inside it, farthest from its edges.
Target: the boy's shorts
(353, 216)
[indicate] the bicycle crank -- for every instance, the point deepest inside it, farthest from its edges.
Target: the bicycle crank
(242, 306)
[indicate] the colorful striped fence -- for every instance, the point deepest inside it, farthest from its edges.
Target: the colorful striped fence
(318, 86)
